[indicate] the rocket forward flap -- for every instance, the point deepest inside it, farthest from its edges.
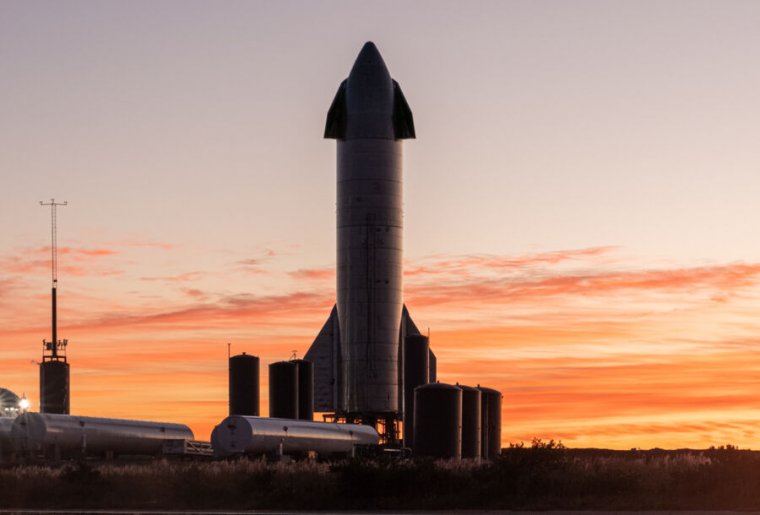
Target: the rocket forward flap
(402, 118)
(403, 121)
(335, 126)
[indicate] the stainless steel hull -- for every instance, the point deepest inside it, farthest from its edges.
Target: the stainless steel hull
(369, 274)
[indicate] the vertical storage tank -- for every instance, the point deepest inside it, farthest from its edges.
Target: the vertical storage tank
(305, 389)
(490, 419)
(244, 385)
(54, 387)
(438, 421)
(471, 422)
(283, 390)
(416, 373)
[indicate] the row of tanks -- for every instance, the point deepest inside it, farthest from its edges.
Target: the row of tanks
(457, 421)
(46, 436)
(440, 420)
(444, 421)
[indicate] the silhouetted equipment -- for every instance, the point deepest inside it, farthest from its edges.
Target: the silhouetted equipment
(433, 375)
(244, 385)
(471, 422)
(438, 421)
(416, 373)
(490, 423)
(283, 390)
(277, 436)
(54, 387)
(305, 389)
(54, 368)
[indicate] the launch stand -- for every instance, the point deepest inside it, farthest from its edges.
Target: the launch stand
(386, 424)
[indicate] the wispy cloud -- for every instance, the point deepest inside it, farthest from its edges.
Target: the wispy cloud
(176, 278)
(314, 274)
(465, 265)
(75, 261)
(582, 342)
(719, 279)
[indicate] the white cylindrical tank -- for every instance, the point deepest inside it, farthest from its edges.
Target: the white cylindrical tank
(69, 435)
(262, 435)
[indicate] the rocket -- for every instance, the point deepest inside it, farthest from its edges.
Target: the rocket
(358, 353)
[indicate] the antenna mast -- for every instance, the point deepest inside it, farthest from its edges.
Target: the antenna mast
(54, 344)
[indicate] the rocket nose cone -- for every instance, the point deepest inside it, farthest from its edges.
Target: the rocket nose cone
(369, 69)
(369, 56)
(369, 96)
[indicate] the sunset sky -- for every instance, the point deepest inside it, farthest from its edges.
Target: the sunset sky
(581, 202)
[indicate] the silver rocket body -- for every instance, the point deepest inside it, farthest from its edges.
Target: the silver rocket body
(357, 353)
(369, 275)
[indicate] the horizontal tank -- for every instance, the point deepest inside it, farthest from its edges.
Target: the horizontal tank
(66, 435)
(262, 435)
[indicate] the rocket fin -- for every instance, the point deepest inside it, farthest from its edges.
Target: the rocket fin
(432, 366)
(408, 327)
(325, 354)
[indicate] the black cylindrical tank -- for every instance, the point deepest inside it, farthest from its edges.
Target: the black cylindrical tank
(244, 385)
(471, 422)
(490, 419)
(54, 387)
(438, 421)
(305, 389)
(416, 370)
(283, 390)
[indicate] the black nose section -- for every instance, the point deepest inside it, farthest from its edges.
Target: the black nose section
(369, 104)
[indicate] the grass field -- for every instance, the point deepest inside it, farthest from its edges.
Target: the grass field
(542, 477)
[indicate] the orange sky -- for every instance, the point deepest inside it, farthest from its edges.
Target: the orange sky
(580, 204)
(585, 347)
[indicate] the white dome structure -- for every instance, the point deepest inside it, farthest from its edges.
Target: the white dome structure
(9, 403)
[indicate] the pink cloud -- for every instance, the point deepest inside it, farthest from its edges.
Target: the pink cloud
(314, 274)
(177, 278)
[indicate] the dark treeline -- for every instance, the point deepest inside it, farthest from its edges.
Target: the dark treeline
(544, 476)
